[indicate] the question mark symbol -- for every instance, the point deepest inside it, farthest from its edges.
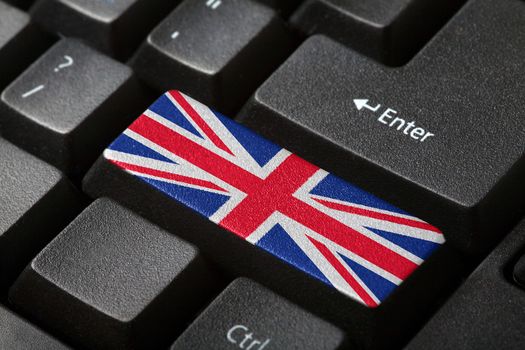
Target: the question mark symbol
(68, 63)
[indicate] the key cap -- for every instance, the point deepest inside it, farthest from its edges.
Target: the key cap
(217, 51)
(182, 158)
(389, 31)
(20, 42)
(487, 311)
(441, 137)
(36, 201)
(115, 27)
(69, 105)
(248, 316)
(17, 334)
(112, 280)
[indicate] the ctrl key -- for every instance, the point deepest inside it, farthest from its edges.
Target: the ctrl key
(248, 316)
(112, 280)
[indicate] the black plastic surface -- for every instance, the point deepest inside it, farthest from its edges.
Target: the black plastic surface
(487, 312)
(115, 27)
(113, 280)
(248, 316)
(389, 31)
(20, 42)
(68, 105)
(36, 202)
(218, 52)
(18, 334)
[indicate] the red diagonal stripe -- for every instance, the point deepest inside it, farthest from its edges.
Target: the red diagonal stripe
(265, 198)
(168, 176)
(193, 153)
(363, 294)
(379, 216)
(350, 239)
(199, 121)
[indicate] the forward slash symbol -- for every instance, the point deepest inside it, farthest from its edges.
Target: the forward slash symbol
(33, 91)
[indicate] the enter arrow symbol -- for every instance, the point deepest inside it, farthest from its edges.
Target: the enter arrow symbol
(361, 103)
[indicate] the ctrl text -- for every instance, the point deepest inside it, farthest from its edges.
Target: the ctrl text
(241, 337)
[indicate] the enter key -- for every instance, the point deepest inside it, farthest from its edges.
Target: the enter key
(443, 136)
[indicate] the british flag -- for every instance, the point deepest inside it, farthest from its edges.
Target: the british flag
(313, 220)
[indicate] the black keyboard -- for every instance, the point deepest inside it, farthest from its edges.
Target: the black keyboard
(262, 174)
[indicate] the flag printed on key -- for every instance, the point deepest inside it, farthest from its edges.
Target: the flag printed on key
(313, 220)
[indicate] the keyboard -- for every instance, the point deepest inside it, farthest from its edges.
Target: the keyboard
(262, 174)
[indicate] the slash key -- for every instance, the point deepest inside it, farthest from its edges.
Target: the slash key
(66, 106)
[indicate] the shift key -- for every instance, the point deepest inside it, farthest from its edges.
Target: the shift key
(442, 137)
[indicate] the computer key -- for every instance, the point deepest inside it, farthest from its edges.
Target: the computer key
(20, 42)
(217, 51)
(388, 31)
(115, 27)
(68, 105)
(487, 311)
(112, 280)
(261, 212)
(442, 137)
(18, 334)
(36, 202)
(248, 316)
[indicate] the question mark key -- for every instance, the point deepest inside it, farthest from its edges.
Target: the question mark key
(68, 61)
(75, 99)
